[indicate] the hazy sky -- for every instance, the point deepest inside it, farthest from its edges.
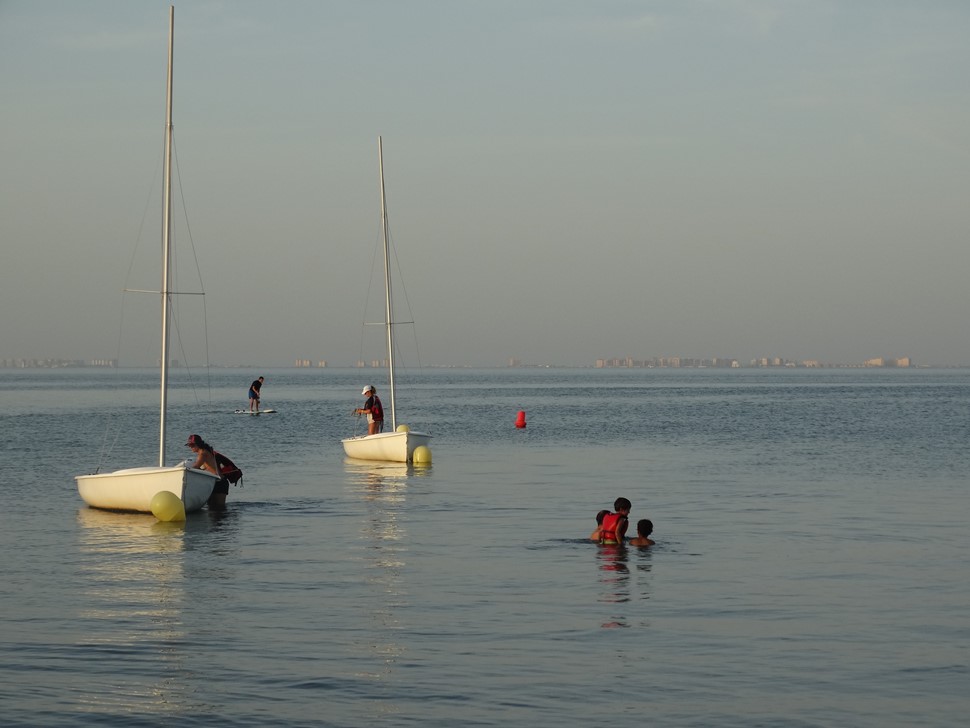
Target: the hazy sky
(566, 180)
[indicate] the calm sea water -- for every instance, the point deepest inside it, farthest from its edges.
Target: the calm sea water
(811, 568)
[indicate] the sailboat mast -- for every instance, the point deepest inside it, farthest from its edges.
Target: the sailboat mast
(387, 285)
(166, 239)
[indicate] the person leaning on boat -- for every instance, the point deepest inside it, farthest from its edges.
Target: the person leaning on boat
(206, 460)
(373, 409)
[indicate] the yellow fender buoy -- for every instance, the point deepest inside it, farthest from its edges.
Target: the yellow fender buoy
(422, 455)
(166, 506)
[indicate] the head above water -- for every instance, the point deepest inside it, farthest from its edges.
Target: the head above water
(644, 527)
(622, 504)
(600, 515)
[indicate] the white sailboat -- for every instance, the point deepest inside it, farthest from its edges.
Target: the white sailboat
(132, 489)
(390, 446)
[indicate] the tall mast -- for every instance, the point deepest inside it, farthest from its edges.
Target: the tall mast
(387, 285)
(166, 239)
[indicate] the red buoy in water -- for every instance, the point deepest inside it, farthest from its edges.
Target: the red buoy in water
(520, 420)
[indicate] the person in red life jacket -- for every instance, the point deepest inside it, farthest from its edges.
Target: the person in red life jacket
(644, 529)
(615, 524)
(595, 535)
(206, 460)
(373, 409)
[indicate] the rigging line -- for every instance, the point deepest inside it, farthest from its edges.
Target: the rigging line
(198, 268)
(358, 422)
(109, 424)
(407, 301)
(185, 216)
(185, 363)
(208, 371)
(377, 248)
(141, 226)
(176, 316)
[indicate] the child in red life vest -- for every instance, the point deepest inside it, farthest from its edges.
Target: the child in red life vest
(614, 525)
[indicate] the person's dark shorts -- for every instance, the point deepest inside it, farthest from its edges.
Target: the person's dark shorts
(252, 394)
(221, 486)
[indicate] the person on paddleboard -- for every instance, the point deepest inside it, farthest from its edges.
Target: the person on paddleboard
(254, 394)
(373, 409)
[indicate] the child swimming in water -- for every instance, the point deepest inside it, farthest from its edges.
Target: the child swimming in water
(595, 535)
(644, 529)
(615, 524)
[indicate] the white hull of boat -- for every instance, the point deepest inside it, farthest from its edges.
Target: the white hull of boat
(132, 489)
(395, 447)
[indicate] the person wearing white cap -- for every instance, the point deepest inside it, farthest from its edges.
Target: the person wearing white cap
(373, 409)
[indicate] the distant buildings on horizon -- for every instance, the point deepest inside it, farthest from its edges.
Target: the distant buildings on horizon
(672, 362)
(56, 363)
(676, 362)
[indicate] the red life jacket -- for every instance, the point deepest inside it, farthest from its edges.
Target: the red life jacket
(377, 409)
(227, 468)
(608, 529)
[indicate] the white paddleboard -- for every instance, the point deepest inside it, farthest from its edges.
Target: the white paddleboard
(261, 412)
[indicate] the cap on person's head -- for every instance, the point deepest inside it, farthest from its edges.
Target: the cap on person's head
(194, 440)
(368, 389)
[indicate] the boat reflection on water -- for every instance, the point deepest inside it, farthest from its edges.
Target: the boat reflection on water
(383, 550)
(130, 611)
(373, 473)
(130, 556)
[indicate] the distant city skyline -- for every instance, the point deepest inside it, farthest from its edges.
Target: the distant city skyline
(602, 363)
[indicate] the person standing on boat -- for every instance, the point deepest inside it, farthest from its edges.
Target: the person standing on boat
(254, 394)
(373, 409)
(205, 459)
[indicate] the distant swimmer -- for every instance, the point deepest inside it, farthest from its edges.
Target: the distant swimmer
(644, 529)
(615, 524)
(254, 394)
(373, 409)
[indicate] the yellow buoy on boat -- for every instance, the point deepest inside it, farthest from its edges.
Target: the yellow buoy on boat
(403, 428)
(422, 455)
(166, 506)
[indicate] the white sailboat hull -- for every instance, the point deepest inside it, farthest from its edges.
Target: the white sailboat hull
(395, 447)
(132, 489)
